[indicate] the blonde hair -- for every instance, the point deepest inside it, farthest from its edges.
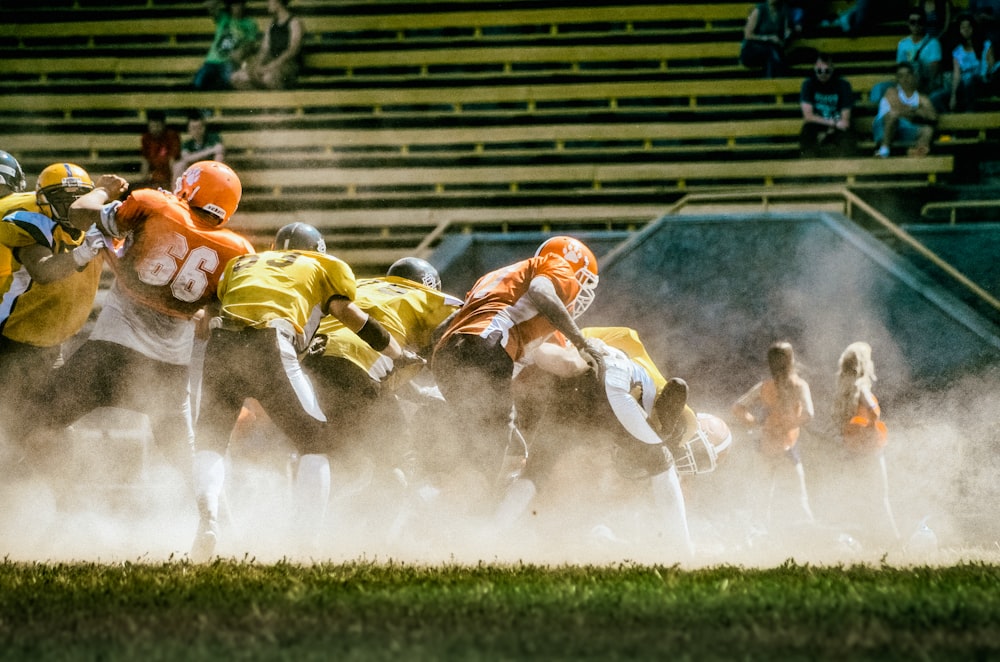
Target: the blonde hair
(855, 376)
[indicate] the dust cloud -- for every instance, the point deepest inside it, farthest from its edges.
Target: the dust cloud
(114, 499)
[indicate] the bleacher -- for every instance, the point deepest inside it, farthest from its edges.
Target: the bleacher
(408, 113)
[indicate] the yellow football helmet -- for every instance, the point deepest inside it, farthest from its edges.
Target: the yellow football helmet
(58, 186)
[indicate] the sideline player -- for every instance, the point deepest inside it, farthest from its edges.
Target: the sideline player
(857, 417)
(507, 313)
(779, 406)
(48, 279)
(170, 251)
(270, 306)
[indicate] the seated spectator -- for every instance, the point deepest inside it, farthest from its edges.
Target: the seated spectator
(276, 64)
(905, 116)
(922, 50)
(235, 40)
(861, 16)
(767, 31)
(919, 49)
(201, 145)
(161, 147)
(966, 78)
(827, 101)
(938, 14)
(990, 74)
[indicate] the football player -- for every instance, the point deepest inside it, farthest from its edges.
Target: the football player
(779, 407)
(48, 276)
(270, 307)
(656, 434)
(170, 251)
(358, 383)
(507, 313)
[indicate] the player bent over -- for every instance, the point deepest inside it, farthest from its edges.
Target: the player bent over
(506, 314)
(270, 306)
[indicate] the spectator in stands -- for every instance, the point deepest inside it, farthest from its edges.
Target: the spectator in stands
(276, 64)
(827, 101)
(860, 16)
(235, 40)
(919, 49)
(966, 77)
(922, 50)
(768, 30)
(161, 147)
(201, 145)
(991, 68)
(938, 13)
(905, 116)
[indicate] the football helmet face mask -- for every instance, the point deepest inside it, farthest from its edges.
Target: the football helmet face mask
(11, 173)
(584, 265)
(299, 237)
(212, 187)
(417, 270)
(705, 449)
(58, 186)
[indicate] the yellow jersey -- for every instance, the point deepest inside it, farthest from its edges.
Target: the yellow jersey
(43, 315)
(408, 310)
(627, 340)
(8, 204)
(294, 285)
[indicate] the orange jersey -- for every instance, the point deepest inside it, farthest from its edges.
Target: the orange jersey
(865, 432)
(170, 260)
(779, 429)
(498, 303)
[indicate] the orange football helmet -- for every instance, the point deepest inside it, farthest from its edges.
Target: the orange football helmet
(584, 265)
(58, 186)
(212, 187)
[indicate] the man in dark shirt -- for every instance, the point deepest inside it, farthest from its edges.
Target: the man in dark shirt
(827, 100)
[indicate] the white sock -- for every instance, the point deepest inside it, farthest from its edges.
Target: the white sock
(209, 478)
(515, 501)
(668, 495)
(312, 491)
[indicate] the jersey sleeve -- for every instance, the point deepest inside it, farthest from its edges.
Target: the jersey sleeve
(340, 277)
(25, 228)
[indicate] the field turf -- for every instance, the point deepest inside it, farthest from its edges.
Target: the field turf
(385, 610)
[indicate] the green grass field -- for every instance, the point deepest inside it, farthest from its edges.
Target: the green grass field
(382, 611)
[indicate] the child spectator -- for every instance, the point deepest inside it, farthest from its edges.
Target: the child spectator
(161, 147)
(234, 41)
(827, 101)
(277, 63)
(201, 145)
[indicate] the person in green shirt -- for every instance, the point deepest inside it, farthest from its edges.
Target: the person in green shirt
(235, 39)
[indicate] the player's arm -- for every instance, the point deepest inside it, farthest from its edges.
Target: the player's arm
(558, 360)
(364, 326)
(741, 409)
(44, 266)
(805, 397)
(542, 294)
(86, 210)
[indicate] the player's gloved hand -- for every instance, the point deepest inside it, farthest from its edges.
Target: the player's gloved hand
(408, 358)
(93, 242)
(593, 354)
(317, 346)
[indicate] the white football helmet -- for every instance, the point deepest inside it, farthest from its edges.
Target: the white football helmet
(705, 449)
